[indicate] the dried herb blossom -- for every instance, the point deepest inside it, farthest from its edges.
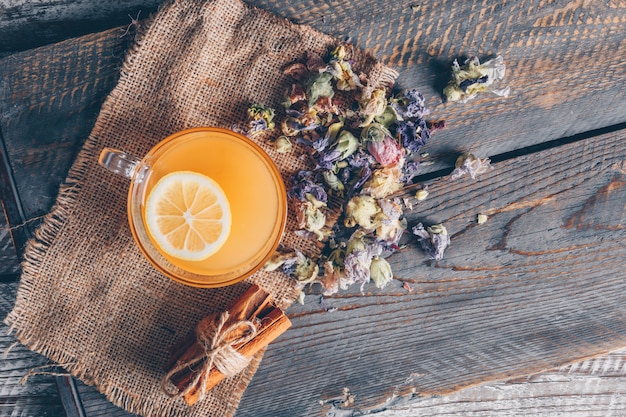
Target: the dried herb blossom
(361, 142)
(473, 78)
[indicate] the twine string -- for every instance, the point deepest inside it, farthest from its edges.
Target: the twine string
(218, 343)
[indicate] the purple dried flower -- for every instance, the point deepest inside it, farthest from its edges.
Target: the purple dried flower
(409, 105)
(409, 171)
(434, 239)
(303, 183)
(413, 135)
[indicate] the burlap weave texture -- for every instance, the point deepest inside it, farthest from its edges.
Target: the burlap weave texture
(87, 297)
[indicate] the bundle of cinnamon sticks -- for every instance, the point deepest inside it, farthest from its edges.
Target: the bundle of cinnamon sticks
(256, 306)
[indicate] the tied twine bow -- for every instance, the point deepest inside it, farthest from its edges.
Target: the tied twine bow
(218, 344)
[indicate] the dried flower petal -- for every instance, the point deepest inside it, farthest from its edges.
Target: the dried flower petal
(482, 218)
(412, 135)
(373, 105)
(303, 183)
(384, 181)
(409, 104)
(362, 210)
(283, 145)
(434, 239)
(470, 164)
(386, 152)
(309, 215)
(380, 272)
(473, 78)
(260, 118)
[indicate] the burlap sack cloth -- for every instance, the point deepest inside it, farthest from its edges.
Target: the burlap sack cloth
(87, 298)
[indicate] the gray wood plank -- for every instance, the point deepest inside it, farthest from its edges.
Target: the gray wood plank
(27, 24)
(49, 101)
(537, 286)
(38, 396)
(592, 388)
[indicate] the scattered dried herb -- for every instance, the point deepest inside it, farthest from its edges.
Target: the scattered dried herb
(473, 77)
(362, 143)
(434, 239)
(470, 164)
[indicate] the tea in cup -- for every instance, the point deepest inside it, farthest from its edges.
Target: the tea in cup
(206, 206)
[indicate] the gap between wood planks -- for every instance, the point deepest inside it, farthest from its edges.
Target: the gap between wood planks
(555, 143)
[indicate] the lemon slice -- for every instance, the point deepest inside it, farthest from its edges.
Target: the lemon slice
(188, 215)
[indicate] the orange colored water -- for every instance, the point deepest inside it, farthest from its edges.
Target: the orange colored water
(250, 185)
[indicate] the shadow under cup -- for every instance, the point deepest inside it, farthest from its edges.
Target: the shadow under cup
(252, 184)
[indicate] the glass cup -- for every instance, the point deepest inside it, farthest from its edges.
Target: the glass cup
(250, 180)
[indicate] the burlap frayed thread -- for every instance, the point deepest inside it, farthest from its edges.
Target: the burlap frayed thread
(87, 297)
(218, 344)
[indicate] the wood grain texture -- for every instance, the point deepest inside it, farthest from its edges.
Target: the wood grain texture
(561, 59)
(539, 285)
(49, 101)
(38, 397)
(27, 24)
(592, 388)
(536, 286)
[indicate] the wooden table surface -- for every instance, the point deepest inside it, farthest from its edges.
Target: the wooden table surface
(524, 316)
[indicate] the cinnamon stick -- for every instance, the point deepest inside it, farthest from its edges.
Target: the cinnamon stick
(255, 305)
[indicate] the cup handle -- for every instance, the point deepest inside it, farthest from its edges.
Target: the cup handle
(119, 162)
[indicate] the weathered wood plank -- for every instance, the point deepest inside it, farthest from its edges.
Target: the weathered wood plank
(537, 286)
(558, 55)
(27, 24)
(592, 388)
(49, 101)
(38, 397)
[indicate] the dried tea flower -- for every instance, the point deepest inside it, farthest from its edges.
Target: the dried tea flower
(346, 79)
(283, 145)
(303, 183)
(346, 144)
(482, 218)
(362, 210)
(310, 216)
(319, 86)
(380, 272)
(332, 180)
(373, 105)
(390, 225)
(374, 132)
(301, 268)
(384, 181)
(470, 164)
(421, 195)
(473, 78)
(409, 104)
(297, 71)
(433, 239)
(412, 135)
(260, 118)
(277, 260)
(386, 151)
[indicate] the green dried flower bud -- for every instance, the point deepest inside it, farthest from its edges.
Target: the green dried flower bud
(355, 244)
(347, 144)
(283, 145)
(380, 272)
(421, 195)
(437, 229)
(320, 86)
(374, 132)
(332, 180)
(388, 117)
